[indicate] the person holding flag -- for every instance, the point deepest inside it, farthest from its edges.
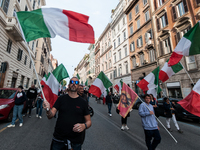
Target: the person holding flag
(73, 118)
(149, 123)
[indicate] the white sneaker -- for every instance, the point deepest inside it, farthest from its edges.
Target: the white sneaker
(40, 117)
(11, 125)
(37, 115)
(21, 124)
(126, 127)
(122, 128)
(110, 115)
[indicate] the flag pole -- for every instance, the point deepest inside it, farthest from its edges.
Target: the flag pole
(29, 54)
(187, 73)
(158, 120)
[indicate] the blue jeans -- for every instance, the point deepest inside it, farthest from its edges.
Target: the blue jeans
(149, 134)
(39, 106)
(17, 111)
(61, 146)
(109, 107)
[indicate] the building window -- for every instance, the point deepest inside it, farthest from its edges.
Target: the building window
(106, 56)
(118, 40)
(152, 55)
(126, 68)
(14, 12)
(136, 9)
(148, 35)
(9, 45)
(27, 82)
(38, 2)
(179, 35)
(120, 57)
(132, 46)
(142, 59)
(5, 5)
(191, 63)
(115, 58)
(33, 45)
(167, 47)
(34, 4)
(118, 27)
(25, 60)
(19, 55)
(130, 16)
(124, 21)
(134, 62)
(139, 42)
(198, 2)
(22, 80)
(35, 81)
(119, 71)
(110, 75)
(110, 64)
(124, 35)
(114, 44)
(115, 73)
(164, 20)
(161, 2)
(131, 29)
(30, 64)
(144, 2)
(147, 16)
(26, 8)
(125, 51)
(138, 23)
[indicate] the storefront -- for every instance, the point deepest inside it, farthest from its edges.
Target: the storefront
(174, 90)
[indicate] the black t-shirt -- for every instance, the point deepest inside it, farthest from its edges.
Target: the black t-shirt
(70, 112)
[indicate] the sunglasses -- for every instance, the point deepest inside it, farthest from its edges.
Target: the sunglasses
(74, 82)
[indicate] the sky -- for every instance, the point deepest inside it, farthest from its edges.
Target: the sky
(99, 11)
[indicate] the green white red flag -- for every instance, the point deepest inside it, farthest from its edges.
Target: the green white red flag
(192, 102)
(187, 46)
(100, 84)
(166, 72)
(118, 86)
(49, 22)
(51, 86)
(105, 93)
(127, 100)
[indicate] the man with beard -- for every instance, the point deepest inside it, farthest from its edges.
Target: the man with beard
(73, 118)
(81, 93)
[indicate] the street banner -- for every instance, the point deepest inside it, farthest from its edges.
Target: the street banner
(127, 100)
(49, 22)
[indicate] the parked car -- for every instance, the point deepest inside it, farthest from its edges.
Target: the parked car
(181, 113)
(138, 102)
(7, 96)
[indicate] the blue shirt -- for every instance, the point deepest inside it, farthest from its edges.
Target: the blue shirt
(148, 121)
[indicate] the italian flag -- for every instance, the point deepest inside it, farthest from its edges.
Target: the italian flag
(44, 79)
(100, 84)
(166, 72)
(118, 86)
(49, 22)
(77, 75)
(192, 102)
(105, 93)
(187, 46)
(52, 85)
(86, 83)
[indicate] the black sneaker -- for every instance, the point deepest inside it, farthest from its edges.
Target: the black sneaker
(180, 131)
(169, 129)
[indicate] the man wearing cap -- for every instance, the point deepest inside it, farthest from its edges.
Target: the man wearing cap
(73, 118)
(19, 104)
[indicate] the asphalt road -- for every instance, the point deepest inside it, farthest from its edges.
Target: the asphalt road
(105, 133)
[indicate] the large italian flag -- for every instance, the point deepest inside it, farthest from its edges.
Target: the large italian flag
(166, 72)
(49, 22)
(187, 46)
(51, 86)
(192, 102)
(118, 86)
(44, 79)
(100, 84)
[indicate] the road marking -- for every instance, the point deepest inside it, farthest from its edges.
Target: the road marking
(3, 129)
(132, 136)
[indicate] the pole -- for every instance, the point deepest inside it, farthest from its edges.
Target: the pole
(187, 73)
(159, 121)
(30, 55)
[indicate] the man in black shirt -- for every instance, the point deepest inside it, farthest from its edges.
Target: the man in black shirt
(31, 95)
(109, 103)
(81, 93)
(73, 118)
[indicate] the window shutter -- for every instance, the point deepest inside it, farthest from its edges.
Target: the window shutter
(174, 13)
(158, 24)
(130, 48)
(163, 1)
(146, 40)
(166, 20)
(176, 41)
(185, 5)
(178, 37)
(169, 44)
(155, 5)
(133, 46)
(141, 41)
(137, 42)
(161, 48)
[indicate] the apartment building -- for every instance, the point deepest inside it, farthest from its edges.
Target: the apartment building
(120, 44)
(140, 35)
(97, 58)
(91, 73)
(16, 67)
(171, 20)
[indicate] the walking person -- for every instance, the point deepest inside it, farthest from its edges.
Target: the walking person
(154, 104)
(149, 124)
(19, 105)
(39, 105)
(73, 118)
(109, 103)
(170, 114)
(31, 95)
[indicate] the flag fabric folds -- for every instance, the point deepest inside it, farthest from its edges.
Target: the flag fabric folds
(118, 86)
(166, 72)
(105, 93)
(100, 84)
(191, 103)
(187, 46)
(127, 100)
(49, 22)
(77, 75)
(51, 86)
(86, 83)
